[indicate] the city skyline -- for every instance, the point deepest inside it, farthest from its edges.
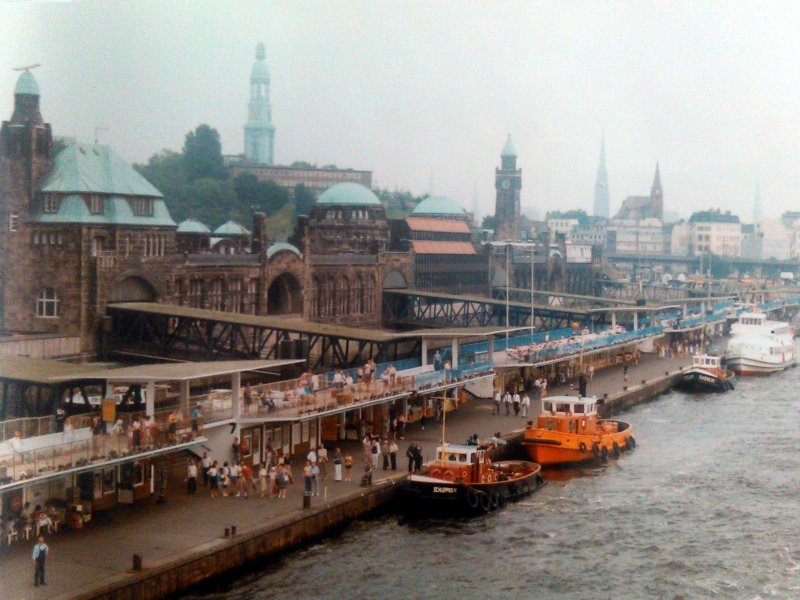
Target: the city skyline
(151, 73)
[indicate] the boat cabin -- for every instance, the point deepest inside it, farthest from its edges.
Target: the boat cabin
(457, 454)
(569, 414)
(753, 318)
(709, 363)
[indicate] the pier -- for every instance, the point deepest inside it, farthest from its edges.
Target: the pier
(182, 542)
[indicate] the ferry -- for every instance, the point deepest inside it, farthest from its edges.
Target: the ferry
(568, 431)
(706, 375)
(759, 345)
(463, 479)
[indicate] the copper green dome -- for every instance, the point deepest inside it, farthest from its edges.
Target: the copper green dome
(231, 228)
(26, 84)
(438, 206)
(348, 194)
(193, 226)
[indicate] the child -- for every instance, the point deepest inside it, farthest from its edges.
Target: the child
(348, 467)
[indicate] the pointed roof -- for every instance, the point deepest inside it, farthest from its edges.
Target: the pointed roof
(657, 178)
(508, 149)
(231, 229)
(260, 69)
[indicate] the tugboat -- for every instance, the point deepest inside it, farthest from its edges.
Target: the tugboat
(706, 375)
(464, 479)
(568, 431)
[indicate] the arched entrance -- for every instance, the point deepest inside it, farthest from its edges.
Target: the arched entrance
(285, 295)
(133, 289)
(393, 280)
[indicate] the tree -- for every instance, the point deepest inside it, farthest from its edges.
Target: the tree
(202, 154)
(301, 164)
(303, 200)
(489, 222)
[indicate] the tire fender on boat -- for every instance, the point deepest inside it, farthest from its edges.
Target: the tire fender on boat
(616, 450)
(633, 441)
(582, 447)
(486, 502)
(604, 454)
(596, 449)
(629, 442)
(473, 499)
(495, 498)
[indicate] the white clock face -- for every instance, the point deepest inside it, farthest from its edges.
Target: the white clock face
(506, 184)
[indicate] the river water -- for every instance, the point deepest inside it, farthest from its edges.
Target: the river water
(707, 506)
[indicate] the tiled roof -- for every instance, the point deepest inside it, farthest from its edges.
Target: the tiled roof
(440, 225)
(438, 247)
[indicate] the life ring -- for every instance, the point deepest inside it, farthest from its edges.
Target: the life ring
(629, 443)
(486, 502)
(582, 447)
(483, 478)
(616, 450)
(435, 473)
(596, 449)
(465, 474)
(448, 476)
(495, 498)
(473, 500)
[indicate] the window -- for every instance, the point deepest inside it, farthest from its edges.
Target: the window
(95, 204)
(47, 304)
(142, 207)
(51, 203)
(13, 222)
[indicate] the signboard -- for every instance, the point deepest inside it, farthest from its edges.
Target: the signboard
(109, 410)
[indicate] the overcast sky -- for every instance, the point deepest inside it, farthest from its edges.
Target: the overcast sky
(422, 92)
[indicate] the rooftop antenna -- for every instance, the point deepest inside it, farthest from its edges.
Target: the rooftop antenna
(98, 130)
(26, 67)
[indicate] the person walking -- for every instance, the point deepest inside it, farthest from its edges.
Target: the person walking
(385, 454)
(315, 479)
(206, 463)
(348, 467)
(308, 477)
(393, 454)
(417, 457)
(507, 401)
(526, 405)
(213, 479)
(337, 464)
(516, 400)
(375, 453)
(497, 400)
(322, 462)
(262, 480)
(410, 453)
(191, 477)
(40, 551)
(582, 382)
(283, 481)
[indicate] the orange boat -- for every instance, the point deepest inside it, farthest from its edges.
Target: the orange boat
(569, 431)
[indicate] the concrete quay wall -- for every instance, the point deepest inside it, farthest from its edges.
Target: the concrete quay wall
(637, 394)
(245, 548)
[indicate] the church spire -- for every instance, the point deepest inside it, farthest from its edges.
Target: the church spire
(657, 196)
(601, 192)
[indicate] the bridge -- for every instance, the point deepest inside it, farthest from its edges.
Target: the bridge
(758, 267)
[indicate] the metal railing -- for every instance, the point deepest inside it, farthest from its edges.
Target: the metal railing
(28, 427)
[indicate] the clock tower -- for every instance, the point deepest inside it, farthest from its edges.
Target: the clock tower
(508, 183)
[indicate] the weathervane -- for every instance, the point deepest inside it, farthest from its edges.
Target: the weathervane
(26, 68)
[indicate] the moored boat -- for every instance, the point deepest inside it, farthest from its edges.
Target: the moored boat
(759, 345)
(463, 479)
(569, 431)
(706, 375)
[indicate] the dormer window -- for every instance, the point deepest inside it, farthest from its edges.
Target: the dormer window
(142, 207)
(51, 203)
(95, 204)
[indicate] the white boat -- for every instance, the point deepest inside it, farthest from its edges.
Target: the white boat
(759, 345)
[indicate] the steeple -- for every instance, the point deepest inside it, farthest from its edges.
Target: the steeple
(259, 133)
(601, 192)
(757, 204)
(508, 157)
(508, 182)
(657, 196)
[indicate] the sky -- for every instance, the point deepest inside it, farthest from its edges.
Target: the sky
(423, 93)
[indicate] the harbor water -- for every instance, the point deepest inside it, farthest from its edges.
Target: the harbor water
(707, 506)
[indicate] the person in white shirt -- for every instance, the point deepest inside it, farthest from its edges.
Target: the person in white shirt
(526, 406)
(206, 463)
(497, 400)
(322, 456)
(191, 477)
(516, 400)
(507, 402)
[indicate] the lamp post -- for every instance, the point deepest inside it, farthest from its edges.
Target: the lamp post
(508, 287)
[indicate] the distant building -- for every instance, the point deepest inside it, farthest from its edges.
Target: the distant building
(561, 226)
(637, 237)
(772, 240)
(508, 183)
(679, 236)
(644, 207)
(259, 133)
(714, 232)
(594, 232)
(317, 180)
(601, 192)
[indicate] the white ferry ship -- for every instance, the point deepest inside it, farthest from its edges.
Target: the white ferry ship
(759, 345)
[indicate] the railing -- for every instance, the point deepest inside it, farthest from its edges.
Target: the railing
(28, 427)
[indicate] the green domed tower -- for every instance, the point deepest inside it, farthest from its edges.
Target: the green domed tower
(259, 133)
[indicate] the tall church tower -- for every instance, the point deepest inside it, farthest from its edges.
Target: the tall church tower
(259, 133)
(601, 193)
(657, 197)
(508, 183)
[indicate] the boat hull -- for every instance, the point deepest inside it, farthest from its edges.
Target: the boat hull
(551, 448)
(424, 495)
(704, 382)
(741, 365)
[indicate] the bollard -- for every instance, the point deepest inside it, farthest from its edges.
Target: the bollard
(624, 388)
(644, 381)
(306, 502)
(233, 529)
(227, 532)
(666, 372)
(137, 562)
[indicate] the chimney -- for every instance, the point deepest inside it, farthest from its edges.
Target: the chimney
(260, 241)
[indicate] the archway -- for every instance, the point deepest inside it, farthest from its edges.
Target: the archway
(394, 279)
(133, 289)
(285, 295)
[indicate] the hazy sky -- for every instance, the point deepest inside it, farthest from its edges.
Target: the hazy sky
(426, 91)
